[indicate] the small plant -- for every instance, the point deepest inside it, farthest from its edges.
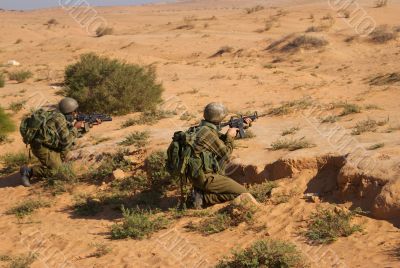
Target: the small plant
(385, 79)
(230, 216)
(23, 261)
(156, 168)
(368, 125)
(382, 34)
(223, 50)
(12, 161)
(138, 224)
(291, 144)
(330, 119)
(6, 124)
(148, 118)
(102, 31)
(372, 107)
(186, 116)
(109, 163)
(51, 22)
(305, 42)
(290, 107)
(262, 192)
(20, 76)
(101, 250)
(348, 108)
(138, 138)
(254, 9)
(381, 3)
(18, 41)
(27, 207)
(266, 253)
(2, 80)
(17, 106)
(376, 146)
(326, 226)
(290, 131)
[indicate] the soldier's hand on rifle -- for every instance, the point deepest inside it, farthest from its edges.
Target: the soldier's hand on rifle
(247, 122)
(232, 132)
(79, 124)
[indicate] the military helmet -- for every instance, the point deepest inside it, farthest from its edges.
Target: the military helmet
(215, 112)
(68, 105)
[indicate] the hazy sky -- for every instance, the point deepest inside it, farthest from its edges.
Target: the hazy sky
(32, 4)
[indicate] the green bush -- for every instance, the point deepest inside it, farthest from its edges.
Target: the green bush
(12, 161)
(6, 125)
(156, 168)
(266, 253)
(262, 192)
(2, 80)
(20, 76)
(27, 207)
(104, 85)
(138, 224)
(325, 225)
(138, 138)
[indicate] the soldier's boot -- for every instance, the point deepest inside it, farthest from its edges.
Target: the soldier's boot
(26, 175)
(197, 199)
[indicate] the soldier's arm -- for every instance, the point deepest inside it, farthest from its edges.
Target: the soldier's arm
(220, 145)
(66, 132)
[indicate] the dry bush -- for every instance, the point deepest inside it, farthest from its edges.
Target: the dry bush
(51, 22)
(2, 80)
(254, 9)
(382, 34)
(381, 3)
(306, 42)
(385, 79)
(221, 51)
(314, 29)
(102, 31)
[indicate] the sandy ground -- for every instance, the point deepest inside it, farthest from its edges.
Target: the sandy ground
(250, 78)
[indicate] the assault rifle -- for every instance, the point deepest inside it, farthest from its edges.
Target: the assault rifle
(239, 122)
(89, 119)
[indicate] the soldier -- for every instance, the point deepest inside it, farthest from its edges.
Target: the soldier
(50, 136)
(211, 185)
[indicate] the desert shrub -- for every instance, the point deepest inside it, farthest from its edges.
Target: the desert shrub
(376, 146)
(330, 119)
(138, 224)
(262, 192)
(230, 216)
(221, 51)
(266, 253)
(52, 22)
(381, 3)
(102, 31)
(23, 261)
(2, 80)
(290, 131)
(103, 85)
(326, 225)
(348, 108)
(12, 161)
(16, 106)
(138, 138)
(109, 163)
(291, 144)
(306, 42)
(385, 79)
(148, 118)
(20, 76)
(368, 125)
(87, 206)
(101, 250)
(27, 207)
(254, 9)
(6, 125)
(156, 168)
(382, 34)
(290, 107)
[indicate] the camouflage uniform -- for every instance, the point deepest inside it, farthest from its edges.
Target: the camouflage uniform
(211, 180)
(52, 159)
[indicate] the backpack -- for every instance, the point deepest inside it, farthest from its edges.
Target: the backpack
(180, 151)
(35, 128)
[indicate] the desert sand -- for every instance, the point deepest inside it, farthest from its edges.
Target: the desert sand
(251, 76)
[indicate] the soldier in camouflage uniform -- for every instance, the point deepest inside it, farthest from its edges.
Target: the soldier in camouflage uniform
(51, 159)
(213, 186)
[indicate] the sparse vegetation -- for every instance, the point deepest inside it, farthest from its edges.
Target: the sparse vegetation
(155, 165)
(326, 226)
(27, 207)
(385, 79)
(266, 253)
(290, 131)
(382, 34)
(138, 224)
(87, 206)
(230, 216)
(330, 119)
(254, 9)
(262, 192)
(6, 125)
(372, 107)
(290, 107)
(381, 3)
(221, 51)
(101, 250)
(291, 144)
(314, 29)
(348, 108)
(376, 146)
(305, 42)
(138, 138)
(2, 80)
(23, 261)
(12, 161)
(20, 76)
(16, 106)
(187, 116)
(368, 125)
(148, 118)
(103, 85)
(62, 181)
(109, 163)
(102, 31)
